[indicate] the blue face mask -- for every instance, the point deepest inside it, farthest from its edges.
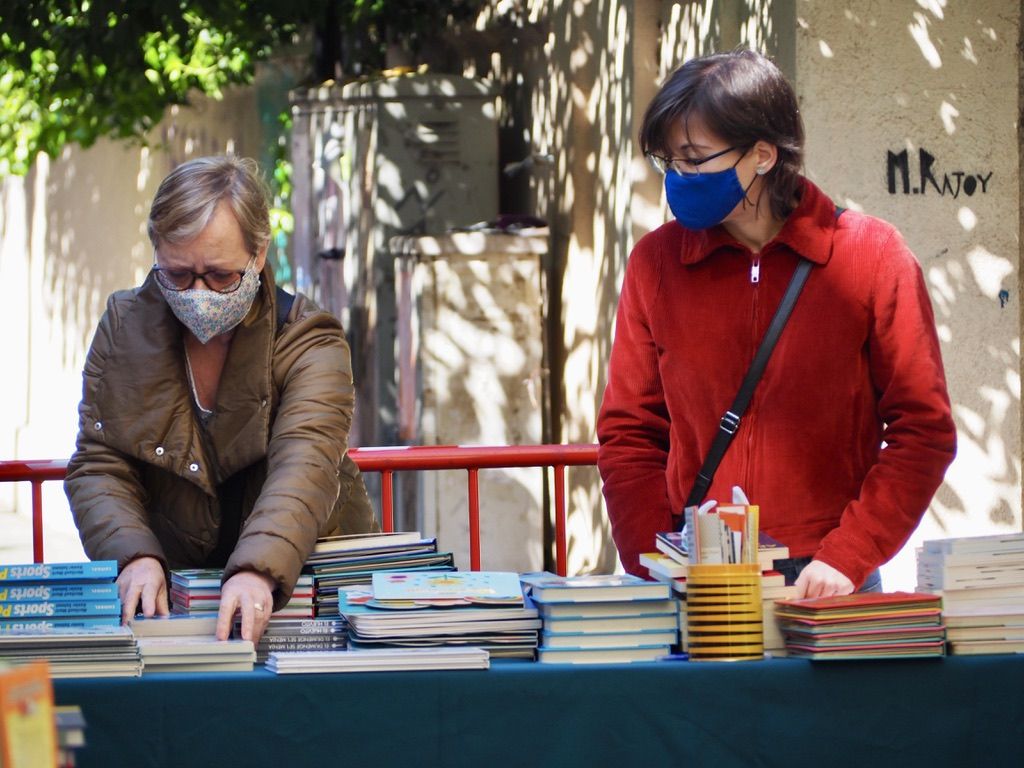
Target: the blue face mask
(701, 200)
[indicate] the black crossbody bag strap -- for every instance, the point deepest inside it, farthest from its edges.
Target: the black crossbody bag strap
(731, 420)
(284, 307)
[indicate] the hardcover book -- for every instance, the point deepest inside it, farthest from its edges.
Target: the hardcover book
(362, 541)
(601, 655)
(598, 625)
(609, 640)
(608, 609)
(572, 589)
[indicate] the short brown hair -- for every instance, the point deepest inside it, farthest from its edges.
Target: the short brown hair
(742, 97)
(187, 198)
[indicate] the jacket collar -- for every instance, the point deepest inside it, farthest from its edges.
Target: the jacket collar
(159, 412)
(808, 231)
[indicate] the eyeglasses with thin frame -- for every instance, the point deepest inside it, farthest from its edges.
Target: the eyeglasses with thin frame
(219, 280)
(684, 166)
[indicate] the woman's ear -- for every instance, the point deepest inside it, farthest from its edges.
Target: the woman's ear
(766, 155)
(261, 257)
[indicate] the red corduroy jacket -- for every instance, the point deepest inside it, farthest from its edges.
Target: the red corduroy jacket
(849, 431)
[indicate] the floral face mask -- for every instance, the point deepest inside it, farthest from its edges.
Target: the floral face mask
(209, 313)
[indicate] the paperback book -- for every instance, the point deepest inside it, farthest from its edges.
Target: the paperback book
(58, 572)
(378, 660)
(459, 587)
(63, 608)
(57, 592)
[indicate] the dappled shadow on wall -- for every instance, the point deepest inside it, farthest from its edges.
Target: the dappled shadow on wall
(929, 143)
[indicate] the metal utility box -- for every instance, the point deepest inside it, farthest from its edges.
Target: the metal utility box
(418, 156)
(472, 371)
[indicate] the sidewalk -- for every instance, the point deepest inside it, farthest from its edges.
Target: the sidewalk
(60, 538)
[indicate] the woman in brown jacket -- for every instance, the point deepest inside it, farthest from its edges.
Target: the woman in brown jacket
(214, 425)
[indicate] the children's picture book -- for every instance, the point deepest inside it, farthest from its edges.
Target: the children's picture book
(593, 588)
(95, 570)
(470, 587)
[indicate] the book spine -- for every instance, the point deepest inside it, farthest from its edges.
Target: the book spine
(34, 572)
(48, 625)
(47, 610)
(31, 593)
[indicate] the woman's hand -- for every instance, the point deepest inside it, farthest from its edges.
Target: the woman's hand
(252, 594)
(142, 580)
(820, 579)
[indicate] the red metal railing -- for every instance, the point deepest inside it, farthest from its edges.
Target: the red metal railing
(387, 461)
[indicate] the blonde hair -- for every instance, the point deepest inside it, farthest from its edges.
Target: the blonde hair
(187, 198)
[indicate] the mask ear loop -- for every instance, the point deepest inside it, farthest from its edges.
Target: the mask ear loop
(760, 171)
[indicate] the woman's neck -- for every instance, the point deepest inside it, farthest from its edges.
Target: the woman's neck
(753, 230)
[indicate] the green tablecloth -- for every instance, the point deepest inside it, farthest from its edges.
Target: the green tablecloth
(958, 711)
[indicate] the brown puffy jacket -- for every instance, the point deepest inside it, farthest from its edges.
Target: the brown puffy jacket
(145, 476)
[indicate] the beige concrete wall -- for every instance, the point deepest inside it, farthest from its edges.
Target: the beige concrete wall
(939, 78)
(873, 78)
(73, 231)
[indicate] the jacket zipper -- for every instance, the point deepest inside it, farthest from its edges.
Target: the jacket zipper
(755, 279)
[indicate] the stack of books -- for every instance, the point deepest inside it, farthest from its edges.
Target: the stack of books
(981, 581)
(38, 597)
(379, 660)
(196, 592)
(195, 654)
(187, 643)
(670, 562)
(865, 625)
(603, 619)
(281, 634)
(480, 609)
(103, 651)
(338, 562)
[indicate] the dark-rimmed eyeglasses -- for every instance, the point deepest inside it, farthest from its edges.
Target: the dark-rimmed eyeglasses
(219, 280)
(684, 165)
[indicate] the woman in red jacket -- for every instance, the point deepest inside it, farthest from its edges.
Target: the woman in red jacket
(849, 431)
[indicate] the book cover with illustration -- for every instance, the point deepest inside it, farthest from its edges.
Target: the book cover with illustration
(497, 587)
(28, 732)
